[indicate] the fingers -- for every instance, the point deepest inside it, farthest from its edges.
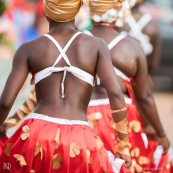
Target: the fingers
(126, 158)
(165, 150)
(127, 164)
(3, 130)
(165, 144)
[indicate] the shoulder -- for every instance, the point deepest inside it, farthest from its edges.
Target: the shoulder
(30, 48)
(130, 48)
(136, 48)
(93, 41)
(131, 44)
(152, 29)
(30, 44)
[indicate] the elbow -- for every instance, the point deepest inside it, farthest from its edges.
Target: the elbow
(117, 94)
(145, 99)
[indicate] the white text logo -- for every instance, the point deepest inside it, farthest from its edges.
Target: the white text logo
(7, 166)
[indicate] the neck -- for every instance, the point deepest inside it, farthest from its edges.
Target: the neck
(57, 26)
(105, 25)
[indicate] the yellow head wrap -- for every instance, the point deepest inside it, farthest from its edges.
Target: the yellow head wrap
(61, 10)
(105, 10)
(139, 1)
(134, 2)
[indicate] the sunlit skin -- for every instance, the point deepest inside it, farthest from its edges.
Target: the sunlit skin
(40, 53)
(128, 56)
(151, 30)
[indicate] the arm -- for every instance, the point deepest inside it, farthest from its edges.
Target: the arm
(108, 78)
(154, 58)
(14, 82)
(27, 107)
(145, 100)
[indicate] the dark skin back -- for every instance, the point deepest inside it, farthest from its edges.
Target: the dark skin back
(41, 53)
(129, 62)
(153, 32)
(128, 57)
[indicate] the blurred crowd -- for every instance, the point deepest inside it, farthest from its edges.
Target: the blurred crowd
(24, 20)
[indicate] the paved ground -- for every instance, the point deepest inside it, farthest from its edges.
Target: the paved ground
(164, 100)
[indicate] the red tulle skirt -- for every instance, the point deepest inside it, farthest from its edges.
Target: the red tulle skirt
(100, 119)
(160, 163)
(47, 145)
(2, 141)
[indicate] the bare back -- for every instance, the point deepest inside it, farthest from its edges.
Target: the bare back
(65, 63)
(43, 53)
(127, 56)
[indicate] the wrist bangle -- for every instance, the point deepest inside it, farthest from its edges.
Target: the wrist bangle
(118, 110)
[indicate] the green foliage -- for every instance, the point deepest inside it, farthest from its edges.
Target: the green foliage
(2, 6)
(3, 40)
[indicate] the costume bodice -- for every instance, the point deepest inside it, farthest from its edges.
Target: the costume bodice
(77, 72)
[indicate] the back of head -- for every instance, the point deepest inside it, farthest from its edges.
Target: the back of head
(109, 11)
(135, 2)
(61, 10)
(138, 2)
(105, 10)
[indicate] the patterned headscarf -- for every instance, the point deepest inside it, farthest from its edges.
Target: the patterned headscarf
(134, 2)
(139, 1)
(62, 10)
(105, 10)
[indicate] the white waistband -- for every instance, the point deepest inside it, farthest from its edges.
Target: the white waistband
(98, 102)
(57, 120)
(105, 101)
(128, 100)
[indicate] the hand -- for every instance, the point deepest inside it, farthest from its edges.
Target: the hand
(4, 127)
(126, 158)
(164, 141)
(150, 132)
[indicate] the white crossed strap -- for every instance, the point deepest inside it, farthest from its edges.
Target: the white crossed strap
(137, 33)
(74, 70)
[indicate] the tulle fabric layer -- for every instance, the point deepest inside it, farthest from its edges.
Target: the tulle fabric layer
(42, 146)
(100, 118)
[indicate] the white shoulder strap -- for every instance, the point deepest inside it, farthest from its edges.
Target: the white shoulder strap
(88, 33)
(62, 51)
(115, 41)
(144, 20)
(121, 74)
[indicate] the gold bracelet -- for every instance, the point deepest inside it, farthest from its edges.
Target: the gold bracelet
(119, 110)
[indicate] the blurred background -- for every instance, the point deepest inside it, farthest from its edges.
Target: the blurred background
(23, 20)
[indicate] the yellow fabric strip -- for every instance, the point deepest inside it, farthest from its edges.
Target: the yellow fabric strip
(122, 126)
(119, 110)
(124, 142)
(122, 150)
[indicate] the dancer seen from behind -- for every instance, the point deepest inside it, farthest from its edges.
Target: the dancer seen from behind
(130, 60)
(141, 26)
(63, 83)
(99, 106)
